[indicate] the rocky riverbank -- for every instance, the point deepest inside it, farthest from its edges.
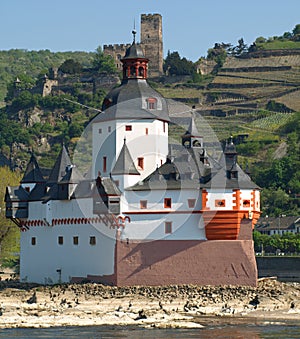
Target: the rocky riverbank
(29, 305)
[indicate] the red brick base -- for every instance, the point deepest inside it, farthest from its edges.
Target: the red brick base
(163, 262)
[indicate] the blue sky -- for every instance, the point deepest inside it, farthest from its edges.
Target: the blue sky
(189, 27)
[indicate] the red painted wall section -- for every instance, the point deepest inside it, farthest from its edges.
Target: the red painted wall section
(163, 262)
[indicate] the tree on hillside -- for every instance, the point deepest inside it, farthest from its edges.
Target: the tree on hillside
(103, 63)
(175, 65)
(240, 48)
(296, 33)
(21, 83)
(218, 53)
(70, 66)
(9, 232)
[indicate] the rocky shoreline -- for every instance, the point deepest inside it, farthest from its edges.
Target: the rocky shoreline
(31, 305)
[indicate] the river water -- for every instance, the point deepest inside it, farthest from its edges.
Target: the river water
(213, 329)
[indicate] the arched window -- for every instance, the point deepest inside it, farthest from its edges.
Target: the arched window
(132, 71)
(141, 71)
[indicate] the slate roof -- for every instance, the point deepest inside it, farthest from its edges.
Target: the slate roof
(32, 173)
(192, 128)
(16, 193)
(61, 164)
(220, 180)
(134, 51)
(183, 169)
(124, 163)
(191, 168)
(275, 223)
(72, 176)
(110, 187)
(129, 101)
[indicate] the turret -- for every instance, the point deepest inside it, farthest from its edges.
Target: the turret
(230, 154)
(135, 64)
(32, 175)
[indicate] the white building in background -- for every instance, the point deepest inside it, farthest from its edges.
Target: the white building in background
(150, 212)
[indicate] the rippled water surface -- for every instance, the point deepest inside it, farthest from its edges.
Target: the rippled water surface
(213, 329)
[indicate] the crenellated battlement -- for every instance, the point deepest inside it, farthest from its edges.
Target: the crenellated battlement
(115, 47)
(150, 40)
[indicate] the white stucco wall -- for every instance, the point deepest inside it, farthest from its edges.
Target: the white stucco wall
(153, 147)
(147, 139)
(40, 262)
(104, 144)
(223, 194)
(149, 223)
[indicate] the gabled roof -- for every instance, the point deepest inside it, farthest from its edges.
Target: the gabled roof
(220, 180)
(124, 163)
(183, 172)
(275, 223)
(59, 170)
(32, 173)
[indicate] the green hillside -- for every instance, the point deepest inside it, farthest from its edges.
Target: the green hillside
(16, 62)
(253, 97)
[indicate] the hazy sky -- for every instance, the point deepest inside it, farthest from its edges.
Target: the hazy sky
(189, 27)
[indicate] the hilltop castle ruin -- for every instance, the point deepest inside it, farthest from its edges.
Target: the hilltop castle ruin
(150, 41)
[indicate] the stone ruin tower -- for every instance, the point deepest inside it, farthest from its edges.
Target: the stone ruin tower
(151, 41)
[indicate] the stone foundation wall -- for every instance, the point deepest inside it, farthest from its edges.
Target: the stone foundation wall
(166, 262)
(284, 268)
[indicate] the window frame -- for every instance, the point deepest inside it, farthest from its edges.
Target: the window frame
(220, 203)
(93, 240)
(168, 227)
(104, 164)
(167, 202)
(143, 204)
(140, 163)
(191, 203)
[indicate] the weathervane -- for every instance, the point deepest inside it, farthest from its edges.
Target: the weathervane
(134, 31)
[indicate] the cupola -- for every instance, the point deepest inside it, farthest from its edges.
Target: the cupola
(135, 64)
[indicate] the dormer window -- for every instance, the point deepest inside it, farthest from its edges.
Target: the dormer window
(151, 103)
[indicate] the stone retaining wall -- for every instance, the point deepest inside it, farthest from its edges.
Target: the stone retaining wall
(284, 268)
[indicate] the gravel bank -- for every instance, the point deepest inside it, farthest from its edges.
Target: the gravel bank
(31, 305)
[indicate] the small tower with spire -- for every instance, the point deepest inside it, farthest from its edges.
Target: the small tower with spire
(192, 138)
(124, 168)
(231, 159)
(32, 175)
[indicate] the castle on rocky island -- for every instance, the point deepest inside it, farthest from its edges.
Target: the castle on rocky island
(151, 211)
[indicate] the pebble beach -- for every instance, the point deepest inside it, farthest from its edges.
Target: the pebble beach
(30, 305)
